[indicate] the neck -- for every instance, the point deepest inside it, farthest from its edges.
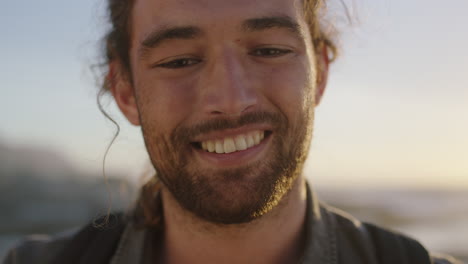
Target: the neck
(276, 237)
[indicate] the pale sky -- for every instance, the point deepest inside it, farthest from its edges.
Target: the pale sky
(395, 112)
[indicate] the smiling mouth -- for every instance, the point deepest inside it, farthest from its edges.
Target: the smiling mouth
(232, 144)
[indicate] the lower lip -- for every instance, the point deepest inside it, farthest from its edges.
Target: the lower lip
(236, 158)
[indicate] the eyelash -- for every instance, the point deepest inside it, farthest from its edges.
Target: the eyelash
(270, 52)
(179, 63)
(187, 62)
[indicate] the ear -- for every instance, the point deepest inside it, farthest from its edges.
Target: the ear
(123, 92)
(322, 74)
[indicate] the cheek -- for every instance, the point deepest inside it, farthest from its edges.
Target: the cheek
(165, 102)
(290, 88)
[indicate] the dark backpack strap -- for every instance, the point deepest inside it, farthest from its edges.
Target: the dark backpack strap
(392, 248)
(95, 243)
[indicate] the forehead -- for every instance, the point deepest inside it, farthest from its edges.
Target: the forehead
(148, 14)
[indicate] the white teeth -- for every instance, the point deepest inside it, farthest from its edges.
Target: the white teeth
(240, 143)
(219, 147)
(250, 140)
(210, 145)
(257, 137)
(229, 145)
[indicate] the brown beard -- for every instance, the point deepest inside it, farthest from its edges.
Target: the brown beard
(230, 196)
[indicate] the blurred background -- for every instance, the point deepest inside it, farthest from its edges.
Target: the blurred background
(390, 143)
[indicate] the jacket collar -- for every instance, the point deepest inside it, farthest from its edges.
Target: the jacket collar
(321, 245)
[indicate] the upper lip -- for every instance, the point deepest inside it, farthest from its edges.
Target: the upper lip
(220, 134)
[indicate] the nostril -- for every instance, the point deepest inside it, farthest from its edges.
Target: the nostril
(216, 112)
(230, 112)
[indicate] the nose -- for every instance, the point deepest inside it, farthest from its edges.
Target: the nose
(228, 90)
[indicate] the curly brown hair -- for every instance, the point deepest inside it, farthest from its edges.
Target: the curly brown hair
(117, 43)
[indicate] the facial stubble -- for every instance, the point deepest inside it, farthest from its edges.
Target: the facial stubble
(230, 196)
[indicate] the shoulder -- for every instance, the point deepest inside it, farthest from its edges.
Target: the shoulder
(75, 246)
(39, 249)
(359, 240)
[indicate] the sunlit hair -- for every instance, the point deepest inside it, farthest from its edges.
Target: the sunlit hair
(117, 47)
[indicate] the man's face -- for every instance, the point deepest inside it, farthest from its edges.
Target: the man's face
(225, 97)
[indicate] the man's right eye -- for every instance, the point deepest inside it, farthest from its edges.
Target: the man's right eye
(178, 63)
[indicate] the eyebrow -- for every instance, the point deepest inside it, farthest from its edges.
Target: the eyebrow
(263, 23)
(157, 37)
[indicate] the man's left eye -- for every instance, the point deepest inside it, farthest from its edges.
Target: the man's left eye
(178, 63)
(270, 52)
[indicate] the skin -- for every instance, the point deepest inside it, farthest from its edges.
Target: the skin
(223, 73)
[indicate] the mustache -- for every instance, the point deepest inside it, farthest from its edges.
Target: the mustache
(184, 134)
